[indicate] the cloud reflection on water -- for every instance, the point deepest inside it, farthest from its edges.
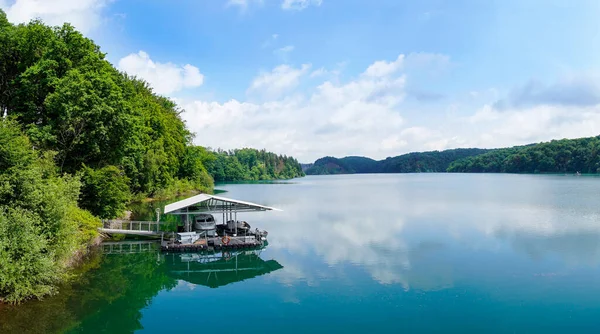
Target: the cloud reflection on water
(405, 229)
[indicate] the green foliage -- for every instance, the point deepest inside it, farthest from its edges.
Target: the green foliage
(15, 151)
(28, 267)
(86, 224)
(417, 162)
(105, 191)
(557, 156)
(39, 226)
(249, 164)
(193, 168)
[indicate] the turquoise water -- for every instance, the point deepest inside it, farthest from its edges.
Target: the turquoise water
(454, 253)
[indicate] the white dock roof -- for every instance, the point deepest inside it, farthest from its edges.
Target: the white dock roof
(209, 203)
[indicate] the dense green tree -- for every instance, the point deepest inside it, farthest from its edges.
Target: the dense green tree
(105, 191)
(193, 167)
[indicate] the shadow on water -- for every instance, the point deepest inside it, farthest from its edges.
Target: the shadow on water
(123, 280)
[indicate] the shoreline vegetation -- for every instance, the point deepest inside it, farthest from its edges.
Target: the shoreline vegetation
(562, 156)
(80, 141)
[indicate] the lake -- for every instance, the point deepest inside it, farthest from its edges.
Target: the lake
(454, 253)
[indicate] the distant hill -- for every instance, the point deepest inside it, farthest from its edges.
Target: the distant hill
(329, 165)
(434, 161)
(304, 167)
(557, 156)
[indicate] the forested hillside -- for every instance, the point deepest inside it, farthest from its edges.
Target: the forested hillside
(250, 164)
(426, 162)
(102, 124)
(434, 161)
(329, 165)
(557, 156)
(78, 141)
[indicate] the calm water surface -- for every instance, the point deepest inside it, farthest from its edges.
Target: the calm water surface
(358, 253)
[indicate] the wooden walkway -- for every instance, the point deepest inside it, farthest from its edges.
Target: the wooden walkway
(131, 227)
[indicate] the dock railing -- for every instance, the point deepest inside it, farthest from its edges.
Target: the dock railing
(131, 226)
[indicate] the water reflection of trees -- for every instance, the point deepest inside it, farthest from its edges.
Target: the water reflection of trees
(108, 298)
(111, 290)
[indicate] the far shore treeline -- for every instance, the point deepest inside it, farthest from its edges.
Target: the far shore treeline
(557, 156)
(79, 140)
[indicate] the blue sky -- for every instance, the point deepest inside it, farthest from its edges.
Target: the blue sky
(346, 77)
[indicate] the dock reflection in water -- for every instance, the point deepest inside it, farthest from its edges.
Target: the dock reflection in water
(218, 269)
(211, 269)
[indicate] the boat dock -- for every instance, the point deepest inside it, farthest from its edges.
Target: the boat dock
(199, 232)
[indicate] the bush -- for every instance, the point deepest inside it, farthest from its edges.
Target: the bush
(27, 262)
(41, 227)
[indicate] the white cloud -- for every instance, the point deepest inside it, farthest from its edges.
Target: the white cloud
(280, 80)
(384, 68)
(370, 115)
(318, 72)
(518, 126)
(333, 118)
(85, 15)
(165, 78)
(299, 4)
(424, 138)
